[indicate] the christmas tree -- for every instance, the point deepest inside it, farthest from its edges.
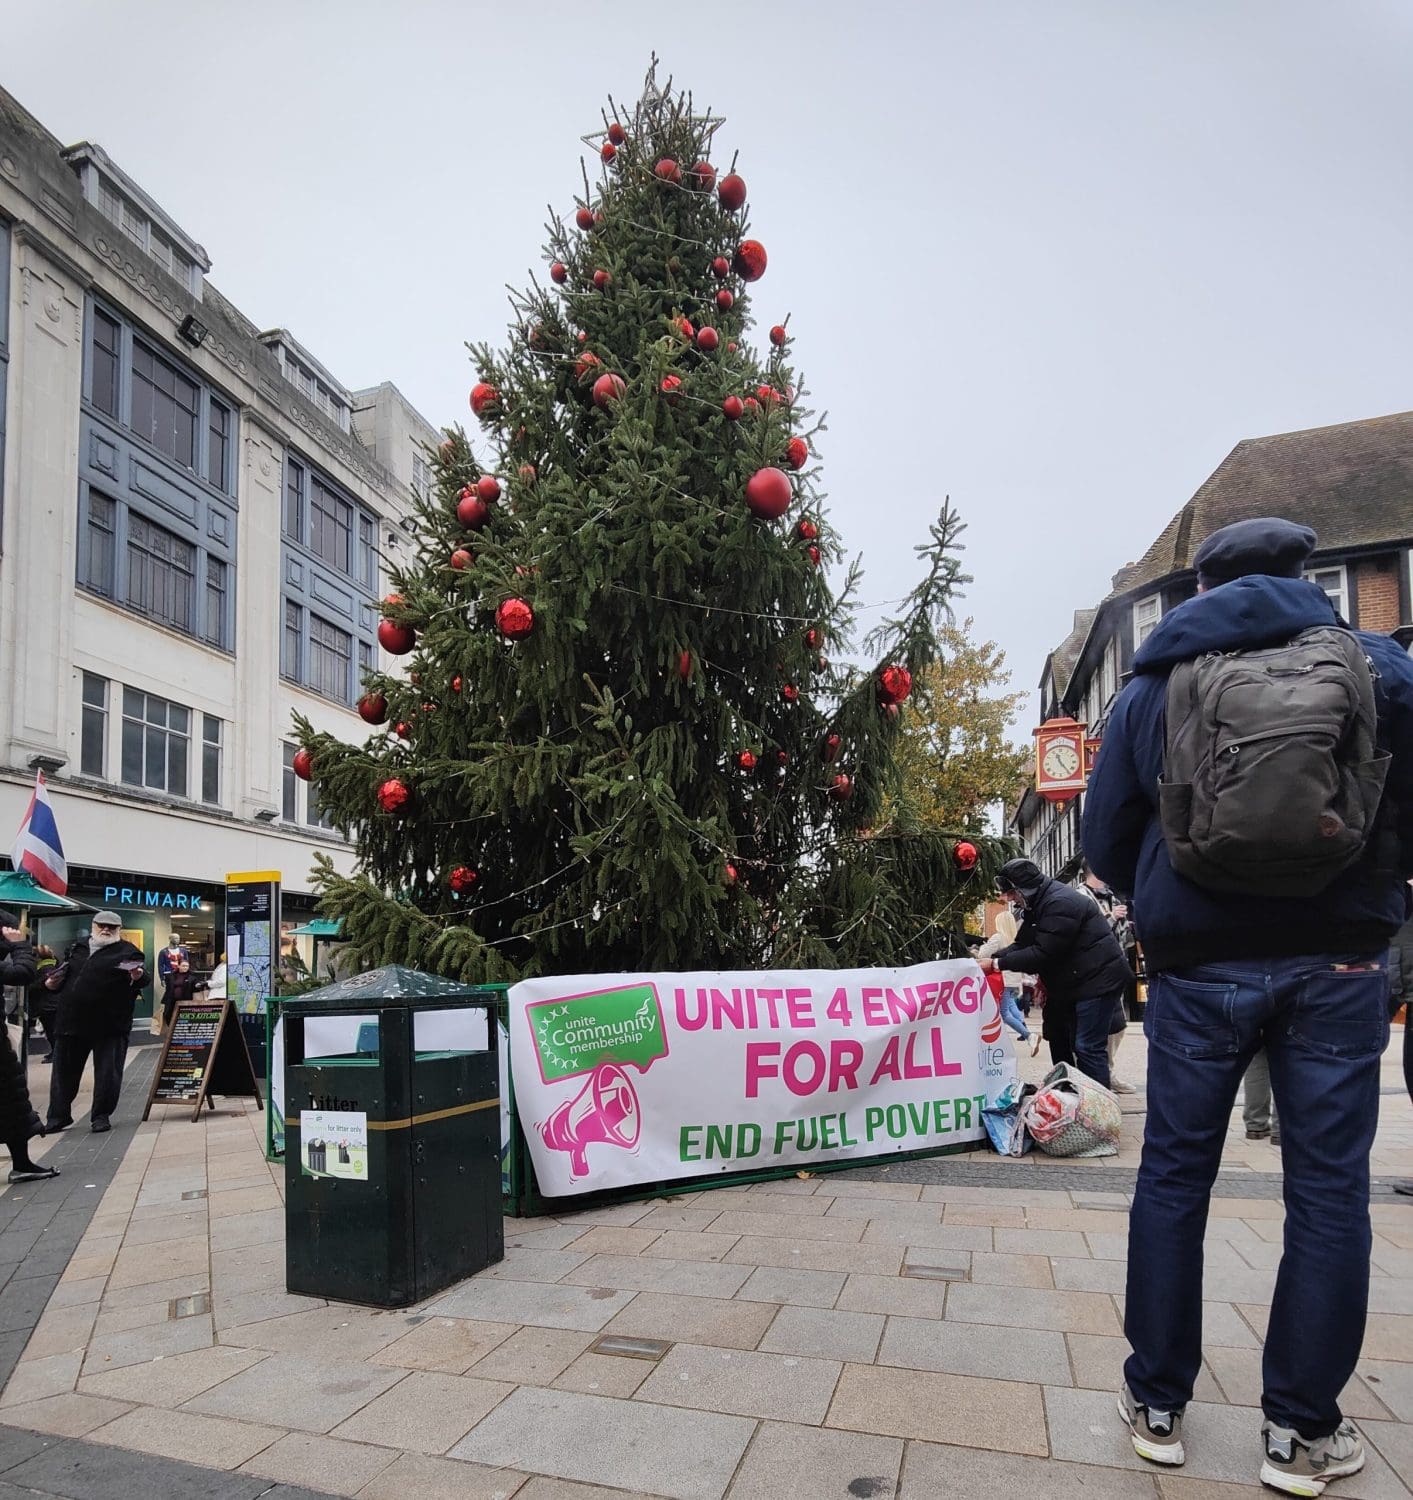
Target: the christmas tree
(620, 743)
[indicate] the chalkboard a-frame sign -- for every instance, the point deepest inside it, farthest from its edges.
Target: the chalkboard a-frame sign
(204, 1054)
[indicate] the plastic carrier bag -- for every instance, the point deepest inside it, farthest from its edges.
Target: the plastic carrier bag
(1072, 1115)
(1003, 1119)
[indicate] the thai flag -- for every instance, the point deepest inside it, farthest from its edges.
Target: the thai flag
(38, 852)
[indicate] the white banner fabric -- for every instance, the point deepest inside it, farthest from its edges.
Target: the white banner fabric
(623, 1079)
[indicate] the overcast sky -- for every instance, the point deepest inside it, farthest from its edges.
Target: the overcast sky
(1053, 257)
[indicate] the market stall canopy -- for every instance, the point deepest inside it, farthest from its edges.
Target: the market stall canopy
(17, 889)
(319, 927)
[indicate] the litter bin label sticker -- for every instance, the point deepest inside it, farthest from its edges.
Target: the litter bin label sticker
(333, 1143)
(575, 1035)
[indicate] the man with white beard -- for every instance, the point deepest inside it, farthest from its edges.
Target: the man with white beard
(96, 1004)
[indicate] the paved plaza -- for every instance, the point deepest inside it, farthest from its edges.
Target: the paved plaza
(944, 1326)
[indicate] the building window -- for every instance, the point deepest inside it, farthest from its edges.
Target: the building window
(166, 406)
(214, 631)
(93, 736)
(99, 577)
(330, 657)
(1335, 584)
(315, 815)
(104, 356)
(4, 345)
(368, 552)
(156, 742)
(210, 759)
(1109, 672)
(218, 444)
(294, 501)
(289, 787)
(161, 574)
(331, 527)
(421, 477)
(291, 653)
(1146, 614)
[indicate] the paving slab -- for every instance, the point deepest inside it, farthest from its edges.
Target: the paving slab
(679, 1244)
(803, 1288)
(425, 1412)
(604, 1375)
(535, 1265)
(1392, 1382)
(892, 1231)
(628, 1273)
(216, 1442)
(934, 1469)
(734, 1324)
(112, 1351)
(975, 1349)
(337, 1331)
(84, 1470)
(326, 1464)
(169, 1382)
(300, 1391)
(1222, 1442)
(816, 1255)
(790, 1462)
(533, 1356)
(998, 1414)
(1025, 1307)
(910, 1297)
(450, 1345)
(743, 1383)
(636, 1445)
(71, 1415)
(559, 1306)
(824, 1333)
(414, 1474)
(988, 1269)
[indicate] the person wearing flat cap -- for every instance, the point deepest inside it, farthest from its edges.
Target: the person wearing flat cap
(1259, 734)
(96, 1003)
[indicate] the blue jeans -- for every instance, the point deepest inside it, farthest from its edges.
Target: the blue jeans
(1092, 1020)
(1324, 1027)
(1011, 1014)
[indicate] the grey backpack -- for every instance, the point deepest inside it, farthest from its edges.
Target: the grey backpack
(1272, 776)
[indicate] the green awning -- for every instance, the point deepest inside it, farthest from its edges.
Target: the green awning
(319, 927)
(17, 889)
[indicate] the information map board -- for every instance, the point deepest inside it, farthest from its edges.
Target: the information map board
(252, 938)
(204, 1054)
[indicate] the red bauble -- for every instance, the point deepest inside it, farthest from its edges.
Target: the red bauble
(586, 363)
(393, 794)
(667, 170)
(797, 453)
(813, 553)
(749, 260)
(729, 873)
(617, 134)
(745, 760)
(725, 300)
(484, 398)
(831, 748)
(472, 512)
(602, 280)
(396, 640)
(812, 638)
(373, 708)
(752, 405)
(769, 396)
(721, 268)
(672, 388)
(790, 693)
(456, 683)
(684, 327)
(303, 764)
(733, 407)
(462, 878)
(461, 559)
(782, 758)
(841, 788)
(731, 192)
(488, 488)
(965, 855)
(702, 177)
(608, 151)
(584, 218)
(608, 388)
(894, 683)
(402, 729)
(526, 474)
(708, 339)
(806, 530)
(429, 708)
(684, 666)
(559, 273)
(515, 619)
(778, 335)
(768, 493)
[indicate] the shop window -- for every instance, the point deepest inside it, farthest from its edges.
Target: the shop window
(93, 733)
(210, 759)
(156, 743)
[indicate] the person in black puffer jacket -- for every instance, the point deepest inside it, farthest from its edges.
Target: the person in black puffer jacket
(19, 1124)
(1066, 939)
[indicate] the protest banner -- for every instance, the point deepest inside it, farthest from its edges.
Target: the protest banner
(637, 1078)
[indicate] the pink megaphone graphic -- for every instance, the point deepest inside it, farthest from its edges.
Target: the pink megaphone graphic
(605, 1109)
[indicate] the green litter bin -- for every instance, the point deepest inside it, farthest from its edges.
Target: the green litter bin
(392, 1137)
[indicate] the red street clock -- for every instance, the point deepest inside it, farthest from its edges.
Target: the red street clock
(1061, 761)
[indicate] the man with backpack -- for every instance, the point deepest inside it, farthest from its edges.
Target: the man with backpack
(1254, 793)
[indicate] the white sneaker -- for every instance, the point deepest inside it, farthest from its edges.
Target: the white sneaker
(1120, 1087)
(1299, 1467)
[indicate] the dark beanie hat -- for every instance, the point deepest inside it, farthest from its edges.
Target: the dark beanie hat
(9, 919)
(1266, 544)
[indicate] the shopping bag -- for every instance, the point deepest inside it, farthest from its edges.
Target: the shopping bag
(1003, 1119)
(1073, 1115)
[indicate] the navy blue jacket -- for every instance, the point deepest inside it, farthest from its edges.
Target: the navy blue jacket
(1181, 924)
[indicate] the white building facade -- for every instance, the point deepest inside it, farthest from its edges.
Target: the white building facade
(195, 524)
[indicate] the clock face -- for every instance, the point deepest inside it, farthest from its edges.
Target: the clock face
(1060, 761)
